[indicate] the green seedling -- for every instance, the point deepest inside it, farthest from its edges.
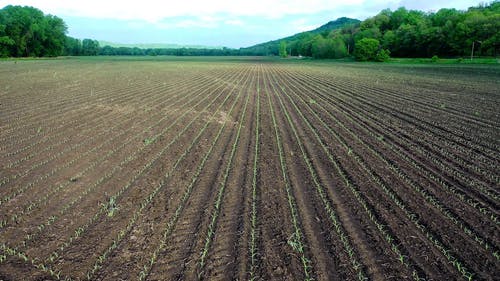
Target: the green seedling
(148, 141)
(112, 208)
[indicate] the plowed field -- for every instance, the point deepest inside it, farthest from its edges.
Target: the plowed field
(248, 169)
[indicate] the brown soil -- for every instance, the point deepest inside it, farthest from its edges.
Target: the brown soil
(134, 170)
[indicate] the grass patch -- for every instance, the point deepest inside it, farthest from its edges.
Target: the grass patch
(444, 61)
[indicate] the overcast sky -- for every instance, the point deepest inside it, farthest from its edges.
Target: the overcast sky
(230, 23)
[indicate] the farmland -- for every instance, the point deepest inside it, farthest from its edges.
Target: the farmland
(248, 169)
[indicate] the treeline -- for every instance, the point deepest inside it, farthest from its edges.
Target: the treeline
(447, 33)
(402, 33)
(129, 51)
(315, 43)
(27, 32)
(88, 47)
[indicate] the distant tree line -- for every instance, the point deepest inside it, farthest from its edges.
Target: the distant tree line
(402, 33)
(134, 51)
(446, 33)
(27, 32)
(77, 47)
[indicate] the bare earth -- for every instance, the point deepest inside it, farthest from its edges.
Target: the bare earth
(248, 169)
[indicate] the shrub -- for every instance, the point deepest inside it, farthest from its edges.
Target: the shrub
(383, 55)
(283, 52)
(366, 49)
(434, 58)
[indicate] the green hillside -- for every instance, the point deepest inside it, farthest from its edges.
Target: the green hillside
(334, 25)
(272, 47)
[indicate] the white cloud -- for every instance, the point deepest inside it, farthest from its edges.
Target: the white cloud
(234, 22)
(155, 10)
(434, 5)
(188, 22)
(302, 24)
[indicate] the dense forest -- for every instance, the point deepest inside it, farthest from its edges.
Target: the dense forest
(27, 32)
(309, 43)
(402, 33)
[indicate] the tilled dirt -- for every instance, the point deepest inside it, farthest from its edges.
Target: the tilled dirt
(249, 169)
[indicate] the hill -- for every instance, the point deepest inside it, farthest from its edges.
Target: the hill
(334, 25)
(272, 47)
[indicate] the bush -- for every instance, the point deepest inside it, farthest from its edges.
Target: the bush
(366, 49)
(283, 53)
(434, 58)
(383, 55)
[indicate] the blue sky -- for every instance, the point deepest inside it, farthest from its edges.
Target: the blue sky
(229, 23)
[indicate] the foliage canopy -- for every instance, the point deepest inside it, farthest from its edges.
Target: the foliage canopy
(401, 33)
(26, 31)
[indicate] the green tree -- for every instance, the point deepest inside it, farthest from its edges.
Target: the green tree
(328, 48)
(283, 52)
(26, 31)
(339, 48)
(389, 41)
(5, 41)
(382, 55)
(23, 26)
(90, 47)
(73, 46)
(304, 44)
(366, 49)
(319, 48)
(55, 36)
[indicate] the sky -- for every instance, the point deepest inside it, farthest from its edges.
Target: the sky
(229, 23)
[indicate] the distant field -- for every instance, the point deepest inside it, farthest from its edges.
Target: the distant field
(164, 168)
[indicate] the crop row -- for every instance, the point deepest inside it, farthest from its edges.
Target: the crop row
(54, 117)
(159, 100)
(65, 98)
(396, 101)
(128, 159)
(130, 139)
(160, 186)
(47, 268)
(436, 177)
(296, 241)
(116, 197)
(375, 137)
(255, 169)
(428, 150)
(333, 216)
(80, 102)
(430, 199)
(413, 216)
(170, 225)
(395, 109)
